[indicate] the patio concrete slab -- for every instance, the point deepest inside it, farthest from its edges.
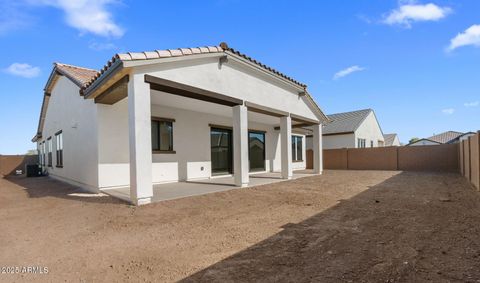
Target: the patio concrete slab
(177, 190)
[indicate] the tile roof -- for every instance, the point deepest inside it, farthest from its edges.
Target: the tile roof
(389, 138)
(80, 76)
(158, 54)
(346, 122)
(446, 137)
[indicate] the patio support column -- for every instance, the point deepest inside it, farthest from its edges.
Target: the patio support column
(286, 144)
(317, 149)
(140, 140)
(240, 145)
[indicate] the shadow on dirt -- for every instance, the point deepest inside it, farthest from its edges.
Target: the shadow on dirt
(411, 227)
(39, 187)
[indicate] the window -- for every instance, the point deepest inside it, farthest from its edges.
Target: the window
(40, 154)
(44, 154)
(59, 144)
(297, 148)
(50, 149)
(361, 143)
(162, 135)
(256, 150)
(371, 143)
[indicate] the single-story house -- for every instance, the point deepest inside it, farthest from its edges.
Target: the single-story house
(447, 137)
(172, 115)
(391, 140)
(355, 129)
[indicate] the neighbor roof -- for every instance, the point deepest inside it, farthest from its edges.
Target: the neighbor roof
(446, 137)
(389, 138)
(346, 122)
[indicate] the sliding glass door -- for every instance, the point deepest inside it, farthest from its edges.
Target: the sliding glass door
(221, 151)
(256, 151)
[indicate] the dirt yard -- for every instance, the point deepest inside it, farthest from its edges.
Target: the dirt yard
(350, 226)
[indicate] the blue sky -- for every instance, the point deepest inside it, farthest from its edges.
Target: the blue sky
(416, 63)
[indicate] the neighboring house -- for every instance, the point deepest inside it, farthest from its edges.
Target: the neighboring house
(174, 115)
(443, 138)
(355, 129)
(391, 140)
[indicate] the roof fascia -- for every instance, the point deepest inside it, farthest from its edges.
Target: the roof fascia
(256, 67)
(146, 62)
(118, 65)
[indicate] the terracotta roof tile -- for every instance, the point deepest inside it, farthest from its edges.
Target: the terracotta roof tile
(196, 50)
(186, 51)
(81, 76)
(164, 53)
(182, 52)
(137, 55)
(176, 52)
(151, 55)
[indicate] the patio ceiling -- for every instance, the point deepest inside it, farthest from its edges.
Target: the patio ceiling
(165, 99)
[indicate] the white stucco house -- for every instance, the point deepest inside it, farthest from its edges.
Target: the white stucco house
(355, 129)
(391, 140)
(447, 137)
(173, 115)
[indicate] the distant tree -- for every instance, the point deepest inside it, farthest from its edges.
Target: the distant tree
(414, 139)
(31, 152)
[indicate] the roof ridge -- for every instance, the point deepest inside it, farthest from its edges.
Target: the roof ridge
(164, 53)
(225, 47)
(74, 66)
(353, 111)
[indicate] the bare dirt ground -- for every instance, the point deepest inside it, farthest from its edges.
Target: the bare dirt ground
(350, 226)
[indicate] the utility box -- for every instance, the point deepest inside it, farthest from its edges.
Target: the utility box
(33, 170)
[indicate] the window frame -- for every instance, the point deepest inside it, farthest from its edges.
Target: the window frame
(295, 139)
(50, 152)
(59, 151)
(40, 154)
(361, 143)
(263, 133)
(44, 152)
(160, 120)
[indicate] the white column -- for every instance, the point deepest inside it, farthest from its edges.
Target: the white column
(317, 149)
(140, 132)
(240, 145)
(286, 143)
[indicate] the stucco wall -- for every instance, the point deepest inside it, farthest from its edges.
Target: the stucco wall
(369, 130)
(339, 141)
(77, 118)
(396, 141)
(236, 80)
(191, 142)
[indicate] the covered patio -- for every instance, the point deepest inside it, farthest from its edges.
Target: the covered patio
(176, 190)
(164, 125)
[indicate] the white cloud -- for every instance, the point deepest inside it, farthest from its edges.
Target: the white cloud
(448, 111)
(347, 71)
(102, 46)
(408, 13)
(472, 104)
(470, 36)
(88, 16)
(23, 70)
